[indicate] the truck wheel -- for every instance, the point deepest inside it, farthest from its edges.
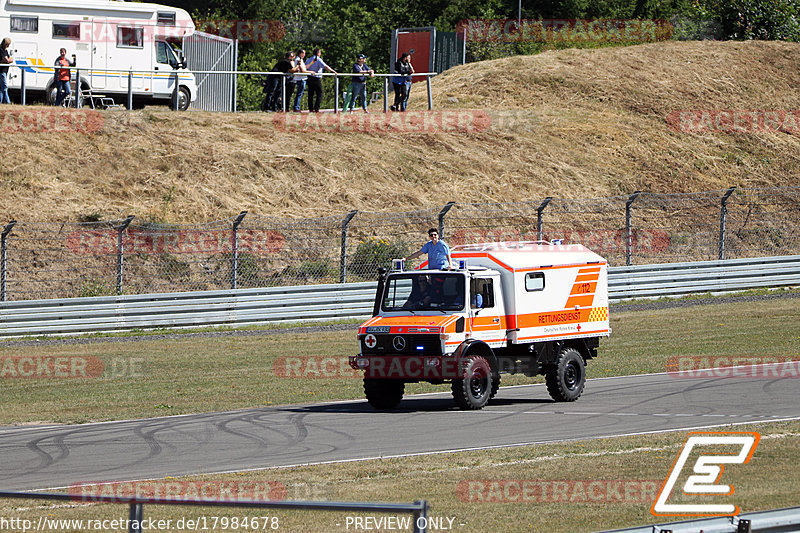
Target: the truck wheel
(475, 388)
(566, 378)
(383, 394)
(495, 385)
(184, 99)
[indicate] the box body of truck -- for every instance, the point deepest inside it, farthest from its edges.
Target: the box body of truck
(522, 307)
(108, 38)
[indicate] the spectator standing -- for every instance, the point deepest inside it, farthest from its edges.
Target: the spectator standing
(438, 252)
(402, 82)
(5, 59)
(300, 79)
(272, 98)
(315, 66)
(358, 85)
(62, 75)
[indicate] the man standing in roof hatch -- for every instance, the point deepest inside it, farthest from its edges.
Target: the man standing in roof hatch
(438, 252)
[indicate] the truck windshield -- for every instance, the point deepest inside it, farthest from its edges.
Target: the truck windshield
(424, 292)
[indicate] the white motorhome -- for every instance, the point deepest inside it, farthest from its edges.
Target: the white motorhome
(108, 38)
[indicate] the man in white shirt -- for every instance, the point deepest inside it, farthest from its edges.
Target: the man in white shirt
(315, 66)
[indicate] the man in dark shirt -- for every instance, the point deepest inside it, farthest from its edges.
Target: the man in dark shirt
(273, 88)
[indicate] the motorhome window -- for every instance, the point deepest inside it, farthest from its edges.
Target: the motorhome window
(25, 24)
(534, 281)
(424, 292)
(165, 18)
(130, 37)
(66, 30)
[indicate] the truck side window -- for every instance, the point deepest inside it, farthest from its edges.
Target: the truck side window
(534, 281)
(481, 293)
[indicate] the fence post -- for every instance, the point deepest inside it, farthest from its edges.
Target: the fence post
(22, 91)
(135, 516)
(343, 255)
(442, 213)
(386, 95)
(78, 89)
(130, 90)
(628, 231)
(723, 211)
(539, 231)
(120, 252)
(430, 96)
(336, 94)
(283, 94)
(3, 259)
(175, 93)
(235, 251)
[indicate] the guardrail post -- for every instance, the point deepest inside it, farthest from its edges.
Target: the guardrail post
(723, 212)
(386, 95)
(336, 93)
(135, 518)
(442, 213)
(175, 93)
(235, 251)
(130, 90)
(283, 93)
(343, 255)
(22, 91)
(430, 96)
(628, 230)
(539, 230)
(421, 517)
(120, 251)
(3, 259)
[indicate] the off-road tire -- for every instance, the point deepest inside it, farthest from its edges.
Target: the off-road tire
(383, 394)
(495, 386)
(474, 390)
(566, 378)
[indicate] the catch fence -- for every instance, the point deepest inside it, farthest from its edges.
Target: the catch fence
(63, 260)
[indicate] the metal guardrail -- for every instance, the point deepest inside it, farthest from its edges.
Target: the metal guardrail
(419, 509)
(774, 521)
(242, 307)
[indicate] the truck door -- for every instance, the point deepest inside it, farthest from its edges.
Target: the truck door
(487, 317)
(165, 63)
(102, 33)
(131, 53)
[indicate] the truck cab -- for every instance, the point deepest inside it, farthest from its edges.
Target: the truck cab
(523, 307)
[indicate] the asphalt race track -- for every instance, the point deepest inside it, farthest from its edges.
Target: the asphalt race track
(58, 456)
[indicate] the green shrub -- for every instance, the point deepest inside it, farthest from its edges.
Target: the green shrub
(375, 253)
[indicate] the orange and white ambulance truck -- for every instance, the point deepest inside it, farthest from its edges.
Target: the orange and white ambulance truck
(510, 307)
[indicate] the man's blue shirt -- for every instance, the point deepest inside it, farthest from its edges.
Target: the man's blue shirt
(437, 254)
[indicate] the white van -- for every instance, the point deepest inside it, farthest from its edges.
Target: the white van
(103, 35)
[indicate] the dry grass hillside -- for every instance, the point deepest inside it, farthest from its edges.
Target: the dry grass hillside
(571, 123)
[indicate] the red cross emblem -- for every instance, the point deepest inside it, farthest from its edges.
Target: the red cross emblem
(579, 327)
(370, 341)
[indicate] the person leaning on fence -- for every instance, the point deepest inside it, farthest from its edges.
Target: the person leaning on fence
(62, 76)
(358, 85)
(438, 252)
(299, 78)
(402, 82)
(5, 59)
(273, 88)
(315, 66)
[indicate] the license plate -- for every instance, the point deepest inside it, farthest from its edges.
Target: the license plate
(378, 329)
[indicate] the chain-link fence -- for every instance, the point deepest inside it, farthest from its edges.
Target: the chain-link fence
(58, 260)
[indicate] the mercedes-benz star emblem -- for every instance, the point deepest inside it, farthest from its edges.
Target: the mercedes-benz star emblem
(399, 343)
